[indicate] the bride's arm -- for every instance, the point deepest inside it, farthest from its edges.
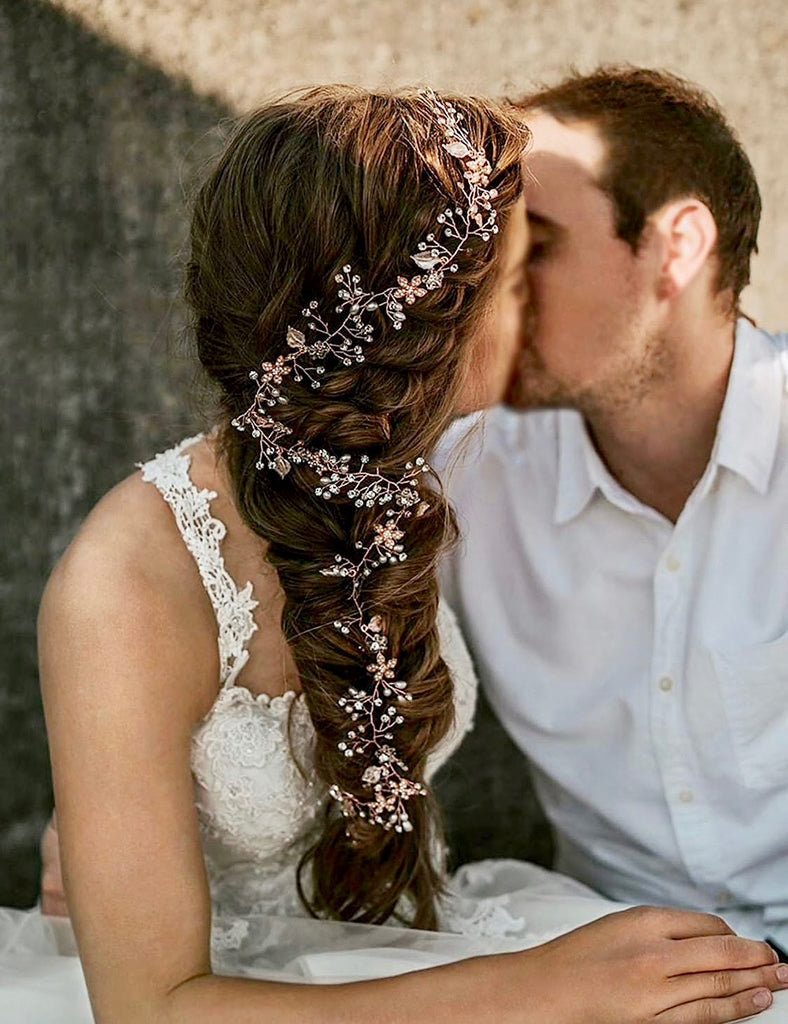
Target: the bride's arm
(129, 666)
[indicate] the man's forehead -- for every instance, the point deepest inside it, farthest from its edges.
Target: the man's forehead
(562, 169)
(576, 141)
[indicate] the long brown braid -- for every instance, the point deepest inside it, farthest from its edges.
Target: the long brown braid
(331, 177)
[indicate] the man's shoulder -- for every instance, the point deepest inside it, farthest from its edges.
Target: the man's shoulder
(776, 340)
(765, 346)
(780, 342)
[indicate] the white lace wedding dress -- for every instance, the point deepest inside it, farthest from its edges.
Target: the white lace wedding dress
(258, 813)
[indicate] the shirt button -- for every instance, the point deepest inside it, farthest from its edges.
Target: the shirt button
(666, 684)
(686, 796)
(672, 563)
(723, 898)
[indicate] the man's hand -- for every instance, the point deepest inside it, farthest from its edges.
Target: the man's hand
(648, 965)
(53, 898)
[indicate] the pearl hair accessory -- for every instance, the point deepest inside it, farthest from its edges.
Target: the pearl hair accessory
(373, 713)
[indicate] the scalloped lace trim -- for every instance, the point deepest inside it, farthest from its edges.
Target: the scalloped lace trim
(226, 937)
(203, 535)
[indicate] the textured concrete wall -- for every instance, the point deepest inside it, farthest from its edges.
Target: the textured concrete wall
(243, 50)
(108, 110)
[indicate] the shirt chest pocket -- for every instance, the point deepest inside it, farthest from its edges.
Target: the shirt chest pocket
(754, 686)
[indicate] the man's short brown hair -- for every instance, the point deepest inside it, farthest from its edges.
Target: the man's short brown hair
(666, 139)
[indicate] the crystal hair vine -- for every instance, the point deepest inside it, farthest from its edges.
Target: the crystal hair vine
(374, 712)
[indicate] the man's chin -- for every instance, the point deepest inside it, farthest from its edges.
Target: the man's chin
(529, 386)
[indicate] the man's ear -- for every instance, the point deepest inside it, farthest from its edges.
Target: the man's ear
(688, 234)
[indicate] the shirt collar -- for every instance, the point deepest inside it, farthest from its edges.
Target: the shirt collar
(747, 434)
(749, 425)
(580, 469)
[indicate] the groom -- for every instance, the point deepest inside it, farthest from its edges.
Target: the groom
(623, 583)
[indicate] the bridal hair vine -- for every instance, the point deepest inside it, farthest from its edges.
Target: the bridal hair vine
(373, 712)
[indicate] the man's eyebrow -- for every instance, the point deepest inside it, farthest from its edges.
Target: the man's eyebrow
(539, 220)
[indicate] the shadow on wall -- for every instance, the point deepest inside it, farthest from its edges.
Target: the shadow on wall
(98, 149)
(95, 149)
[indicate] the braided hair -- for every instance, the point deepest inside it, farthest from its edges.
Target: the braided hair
(330, 177)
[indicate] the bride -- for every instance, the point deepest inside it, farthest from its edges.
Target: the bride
(247, 674)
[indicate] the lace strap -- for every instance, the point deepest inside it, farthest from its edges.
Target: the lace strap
(203, 534)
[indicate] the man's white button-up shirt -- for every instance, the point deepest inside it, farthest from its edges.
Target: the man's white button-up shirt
(642, 666)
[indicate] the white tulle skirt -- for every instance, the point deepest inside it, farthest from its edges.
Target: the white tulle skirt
(494, 907)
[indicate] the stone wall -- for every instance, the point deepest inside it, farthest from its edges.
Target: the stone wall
(109, 111)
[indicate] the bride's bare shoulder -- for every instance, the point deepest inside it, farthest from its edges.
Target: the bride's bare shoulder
(130, 533)
(129, 567)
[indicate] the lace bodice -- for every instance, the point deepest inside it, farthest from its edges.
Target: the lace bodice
(256, 792)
